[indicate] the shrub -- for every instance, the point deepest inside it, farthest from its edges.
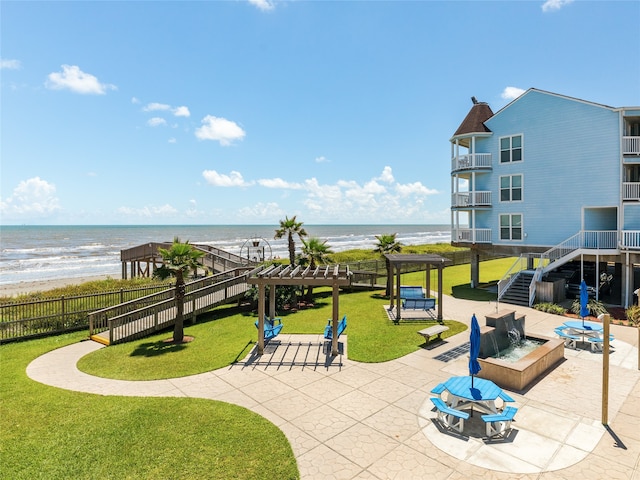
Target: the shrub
(633, 315)
(551, 308)
(595, 307)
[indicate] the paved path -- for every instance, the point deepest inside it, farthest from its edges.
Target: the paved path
(349, 420)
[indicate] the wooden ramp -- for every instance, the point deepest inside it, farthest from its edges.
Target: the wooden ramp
(145, 316)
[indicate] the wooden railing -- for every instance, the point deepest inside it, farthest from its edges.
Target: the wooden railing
(99, 321)
(471, 161)
(471, 199)
(631, 145)
(25, 319)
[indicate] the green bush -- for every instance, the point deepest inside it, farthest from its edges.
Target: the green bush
(550, 308)
(595, 307)
(633, 315)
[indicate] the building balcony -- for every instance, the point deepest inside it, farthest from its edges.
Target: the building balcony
(631, 191)
(631, 239)
(631, 145)
(471, 235)
(471, 161)
(471, 199)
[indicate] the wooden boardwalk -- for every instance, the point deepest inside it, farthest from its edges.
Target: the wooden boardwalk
(147, 315)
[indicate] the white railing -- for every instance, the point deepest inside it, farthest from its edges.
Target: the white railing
(631, 238)
(509, 277)
(471, 235)
(631, 191)
(470, 161)
(471, 199)
(631, 145)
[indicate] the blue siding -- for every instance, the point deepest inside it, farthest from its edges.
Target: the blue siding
(631, 217)
(571, 159)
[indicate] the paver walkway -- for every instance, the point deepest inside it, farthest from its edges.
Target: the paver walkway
(349, 420)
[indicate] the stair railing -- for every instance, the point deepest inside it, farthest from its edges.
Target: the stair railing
(509, 277)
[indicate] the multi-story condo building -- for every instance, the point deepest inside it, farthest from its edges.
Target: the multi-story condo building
(549, 179)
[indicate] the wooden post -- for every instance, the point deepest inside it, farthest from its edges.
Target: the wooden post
(398, 299)
(440, 267)
(334, 322)
(272, 301)
(261, 297)
(605, 369)
(428, 280)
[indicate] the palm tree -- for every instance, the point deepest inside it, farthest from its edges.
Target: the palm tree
(387, 243)
(290, 227)
(314, 251)
(177, 261)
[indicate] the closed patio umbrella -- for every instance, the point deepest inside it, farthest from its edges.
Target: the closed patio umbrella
(474, 348)
(584, 301)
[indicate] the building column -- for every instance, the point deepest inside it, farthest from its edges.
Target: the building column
(475, 269)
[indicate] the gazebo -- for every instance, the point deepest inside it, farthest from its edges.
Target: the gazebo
(335, 276)
(397, 260)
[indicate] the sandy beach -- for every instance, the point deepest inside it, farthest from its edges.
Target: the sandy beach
(15, 289)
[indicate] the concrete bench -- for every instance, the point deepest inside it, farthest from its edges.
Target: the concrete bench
(450, 417)
(429, 332)
(499, 424)
(328, 330)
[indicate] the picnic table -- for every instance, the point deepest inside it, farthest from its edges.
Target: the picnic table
(482, 394)
(586, 332)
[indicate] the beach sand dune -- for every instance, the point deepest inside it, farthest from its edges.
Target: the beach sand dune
(14, 289)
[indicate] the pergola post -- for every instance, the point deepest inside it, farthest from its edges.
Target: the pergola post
(272, 301)
(334, 322)
(440, 267)
(261, 297)
(398, 299)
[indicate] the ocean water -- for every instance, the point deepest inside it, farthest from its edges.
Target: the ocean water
(34, 253)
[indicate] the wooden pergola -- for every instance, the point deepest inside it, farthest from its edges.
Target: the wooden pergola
(334, 276)
(397, 260)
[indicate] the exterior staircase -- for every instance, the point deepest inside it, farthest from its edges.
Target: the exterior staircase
(518, 291)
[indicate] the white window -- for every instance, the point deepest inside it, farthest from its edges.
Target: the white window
(511, 188)
(511, 149)
(511, 226)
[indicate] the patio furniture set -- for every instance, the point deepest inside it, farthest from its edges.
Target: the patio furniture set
(587, 333)
(469, 392)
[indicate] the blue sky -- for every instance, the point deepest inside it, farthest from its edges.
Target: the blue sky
(244, 112)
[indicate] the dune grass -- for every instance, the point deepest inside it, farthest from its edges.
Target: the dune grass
(51, 433)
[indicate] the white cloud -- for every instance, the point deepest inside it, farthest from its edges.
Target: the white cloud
(387, 175)
(156, 122)
(172, 140)
(148, 211)
(32, 197)
(262, 211)
(154, 107)
(415, 188)
(509, 93)
(10, 64)
(181, 112)
(263, 5)
(135, 100)
(279, 183)
(322, 159)
(220, 130)
(550, 5)
(74, 79)
(234, 179)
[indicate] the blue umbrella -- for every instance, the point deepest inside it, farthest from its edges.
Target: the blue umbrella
(584, 300)
(474, 348)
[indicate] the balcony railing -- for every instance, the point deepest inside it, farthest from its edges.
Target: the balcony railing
(471, 235)
(631, 239)
(631, 145)
(471, 199)
(471, 161)
(631, 191)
